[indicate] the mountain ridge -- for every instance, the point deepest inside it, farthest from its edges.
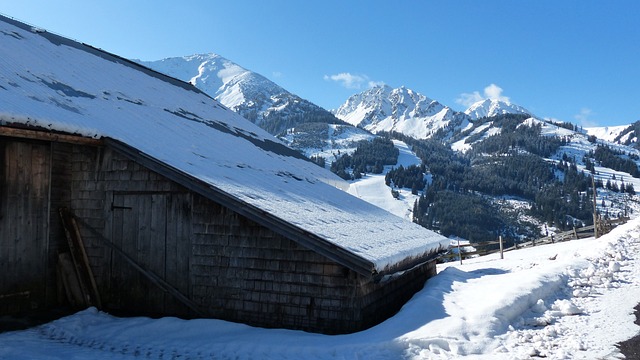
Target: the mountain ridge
(377, 109)
(383, 108)
(494, 107)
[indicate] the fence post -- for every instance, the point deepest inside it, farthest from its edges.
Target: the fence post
(501, 248)
(459, 252)
(575, 233)
(595, 207)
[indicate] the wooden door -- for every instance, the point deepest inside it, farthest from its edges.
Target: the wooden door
(153, 229)
(24, 214)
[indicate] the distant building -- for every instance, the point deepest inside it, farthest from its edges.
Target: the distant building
(184, 207)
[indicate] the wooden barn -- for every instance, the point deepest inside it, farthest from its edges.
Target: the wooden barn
(131, 191)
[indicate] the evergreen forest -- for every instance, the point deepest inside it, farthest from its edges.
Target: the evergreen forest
(369, 157)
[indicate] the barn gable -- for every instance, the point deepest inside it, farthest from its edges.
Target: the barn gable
(219, 210)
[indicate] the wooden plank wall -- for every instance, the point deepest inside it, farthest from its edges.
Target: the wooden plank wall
(232, 267)
(60, 196)
(379, 301)
(24, 215)
(143, 214)
(153, 228)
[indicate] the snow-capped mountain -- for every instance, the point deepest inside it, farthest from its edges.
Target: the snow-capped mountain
(383, 108)
(250, 94)
(494, 107)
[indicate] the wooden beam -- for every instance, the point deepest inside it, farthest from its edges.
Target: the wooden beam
(80, 260)
(44, 135)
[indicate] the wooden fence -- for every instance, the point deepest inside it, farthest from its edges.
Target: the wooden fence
(491, 247)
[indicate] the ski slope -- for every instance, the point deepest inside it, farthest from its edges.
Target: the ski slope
(373, 189)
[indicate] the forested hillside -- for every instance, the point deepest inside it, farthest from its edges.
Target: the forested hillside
(515, 179)
(629, 136)
(369, 157)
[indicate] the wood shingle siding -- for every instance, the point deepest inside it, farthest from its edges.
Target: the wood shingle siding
(230, 266)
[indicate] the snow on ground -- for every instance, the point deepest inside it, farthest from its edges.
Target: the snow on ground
(571, 300)
(372, 187)
(576, 306)
(461, 146)
(608, 133)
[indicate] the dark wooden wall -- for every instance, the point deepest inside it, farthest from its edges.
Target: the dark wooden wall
(242, 270)
(141, 213)
(24, 230)
(154, 229)
(230, 266)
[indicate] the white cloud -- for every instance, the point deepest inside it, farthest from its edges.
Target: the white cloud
(468, 99)
(276, 74)
(351, 81)
(376, 83)
(583, 118)
(492, 91)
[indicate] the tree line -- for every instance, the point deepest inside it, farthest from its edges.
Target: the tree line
(615, 160)
(412, 177)
(369, 157)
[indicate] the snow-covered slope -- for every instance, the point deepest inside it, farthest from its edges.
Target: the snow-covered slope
(403, 110)
(494, 107)
(250, 94)
(527, 306)
(49, 82)
(623, 134)
(329, 141)
(214, 75)
(373, 189)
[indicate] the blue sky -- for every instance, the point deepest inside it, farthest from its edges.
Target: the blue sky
(576, 61)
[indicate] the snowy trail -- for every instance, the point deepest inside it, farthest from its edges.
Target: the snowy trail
(602, 293)
(373, 189)
(576, 306)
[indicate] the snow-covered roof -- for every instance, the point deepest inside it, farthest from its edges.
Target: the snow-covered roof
(51, 82)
